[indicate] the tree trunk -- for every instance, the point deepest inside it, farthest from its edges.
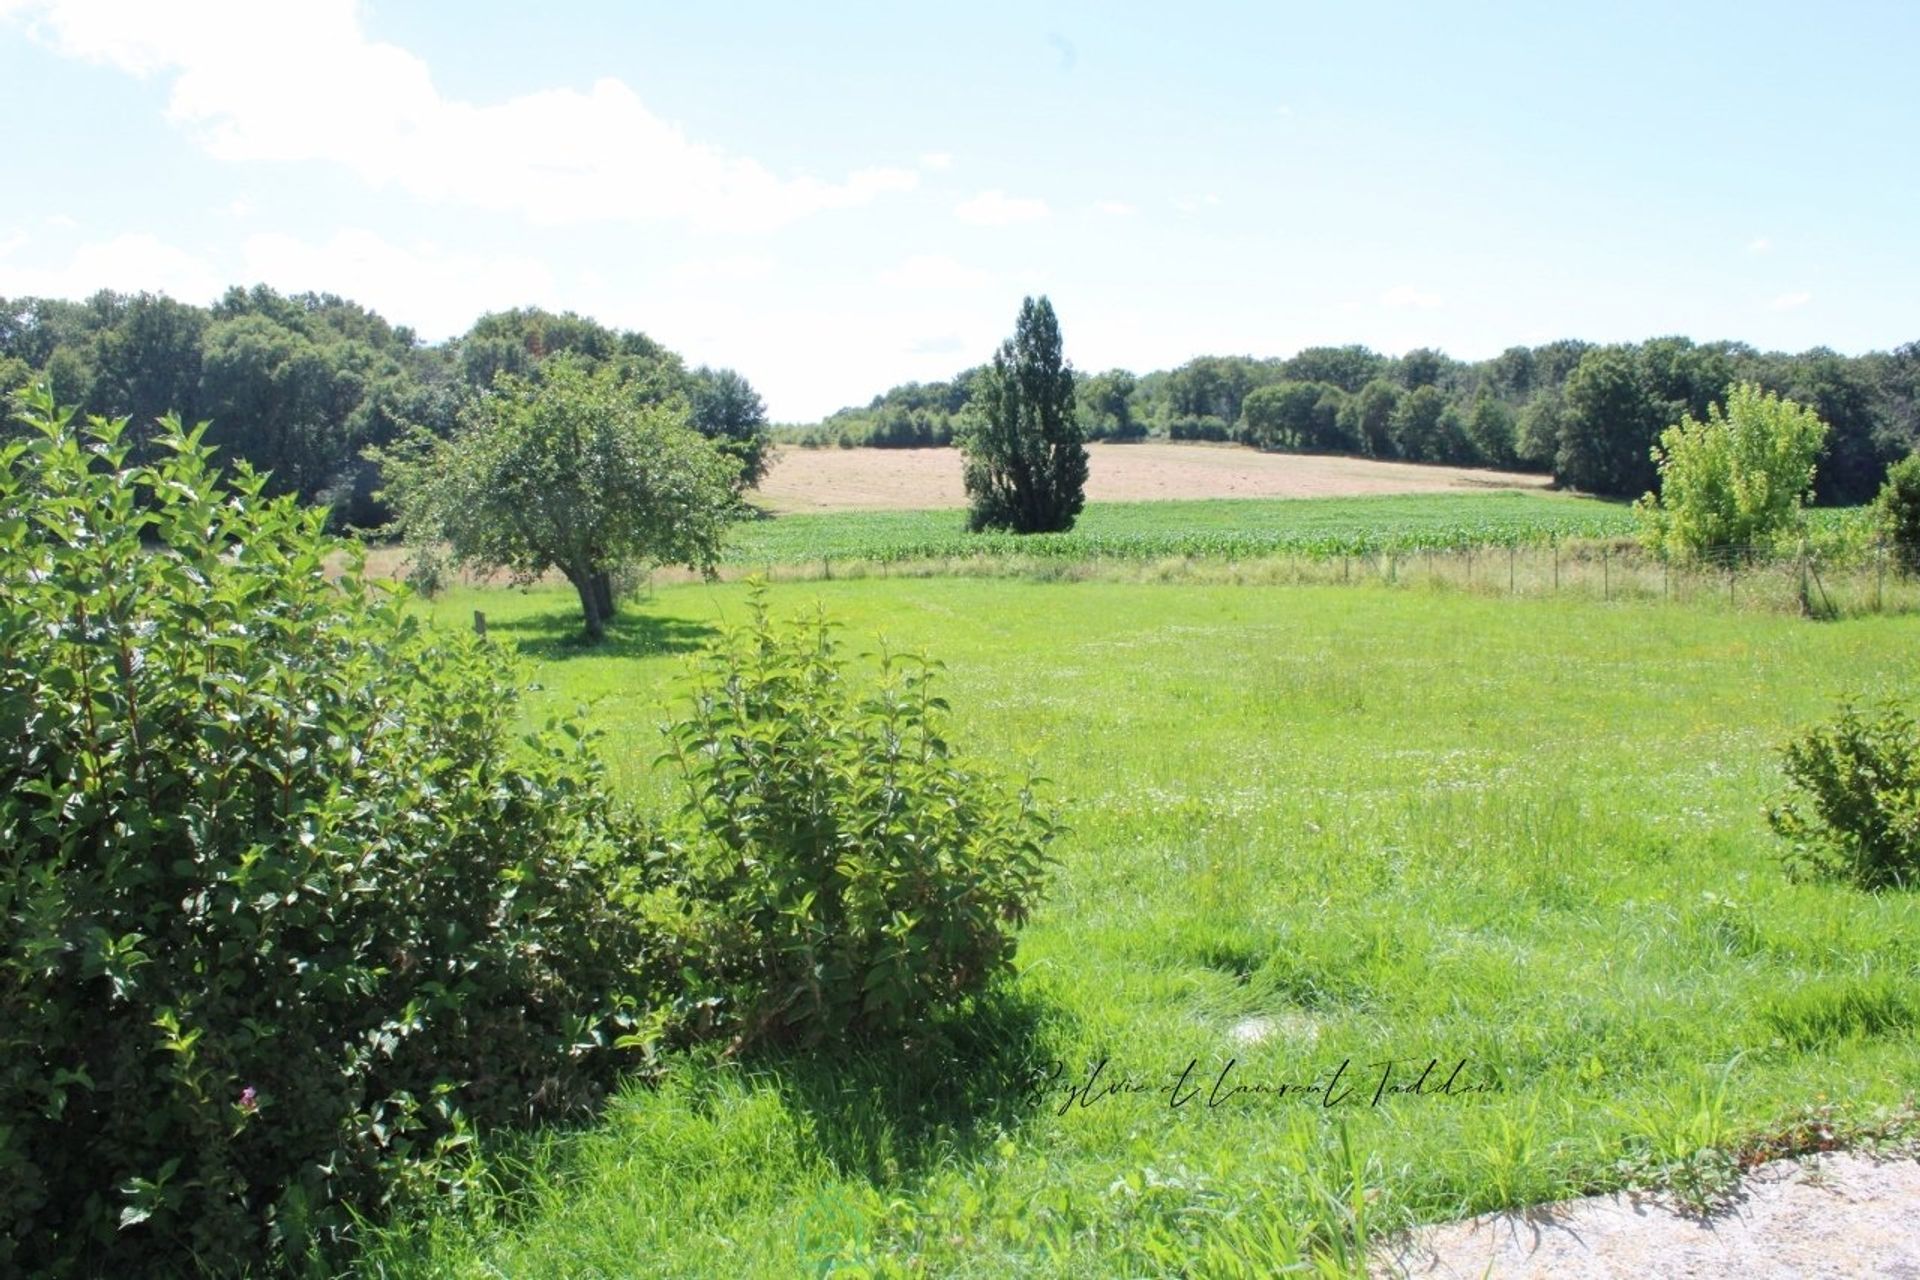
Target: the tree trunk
(590, 605)
(603, 594)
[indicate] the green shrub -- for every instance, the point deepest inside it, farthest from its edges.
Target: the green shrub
(283, 913)
(1736, 481)
(861, 880)
(1898, 508)
(1861, 779)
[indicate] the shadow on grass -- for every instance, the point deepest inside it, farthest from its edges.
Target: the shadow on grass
(557, 634)
(886, 1114)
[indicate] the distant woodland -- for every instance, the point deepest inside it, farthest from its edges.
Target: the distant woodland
(302, 385)
(1588, 413)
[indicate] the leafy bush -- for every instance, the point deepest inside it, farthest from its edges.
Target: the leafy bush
(1861, 776)
(1898, 508)
(1737, 480)
(282, 915)
(1193, 427)
(861, 880)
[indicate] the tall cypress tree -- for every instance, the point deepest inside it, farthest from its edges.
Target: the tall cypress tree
(1026, 457)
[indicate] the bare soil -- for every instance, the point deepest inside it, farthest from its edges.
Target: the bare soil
(1841, 1215)
(909, 479)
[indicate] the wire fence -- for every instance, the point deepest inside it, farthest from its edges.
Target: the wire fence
(1806, 581)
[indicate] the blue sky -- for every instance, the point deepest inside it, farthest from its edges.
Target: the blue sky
(834, 198)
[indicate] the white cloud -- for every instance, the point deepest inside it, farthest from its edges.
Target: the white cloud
(133, 263)
(934, 161)
(438, 293)
(933, 271)
(738, 268)
(1759, 244)
(1193, 204)
(1790, 301)
(998, 209)
(298, 83)
(1115, 208)
(1404, 297)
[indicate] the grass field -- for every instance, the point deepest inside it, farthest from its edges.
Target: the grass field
(1309, 826)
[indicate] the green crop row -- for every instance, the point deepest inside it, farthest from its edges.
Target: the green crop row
(1228, 529)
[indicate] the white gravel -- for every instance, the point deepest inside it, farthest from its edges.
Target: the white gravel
(1827, 1216)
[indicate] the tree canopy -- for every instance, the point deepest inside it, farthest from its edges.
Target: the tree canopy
(1735, 479)
(565, 470)
(1026, 457)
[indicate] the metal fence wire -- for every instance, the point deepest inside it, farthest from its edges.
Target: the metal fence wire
(1807, 580)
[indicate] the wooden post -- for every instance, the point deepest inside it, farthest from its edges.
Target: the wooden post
(1509, 568)
(1806, 600)
(1556, 564)
(1606, 573)
(479, 623)
(1879, 578)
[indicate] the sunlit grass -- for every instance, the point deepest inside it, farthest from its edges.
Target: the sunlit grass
(1309, 824)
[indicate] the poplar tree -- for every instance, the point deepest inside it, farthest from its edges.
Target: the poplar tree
(1026, 456)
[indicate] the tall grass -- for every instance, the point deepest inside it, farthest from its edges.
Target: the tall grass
(1309, 826)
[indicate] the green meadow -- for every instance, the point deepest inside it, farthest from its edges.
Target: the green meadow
(1313, 830)
(1237, 528)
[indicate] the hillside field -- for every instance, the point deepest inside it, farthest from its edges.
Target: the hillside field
(1309, 826)
(896, 479)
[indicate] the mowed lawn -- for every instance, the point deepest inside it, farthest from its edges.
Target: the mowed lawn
(1309, 826)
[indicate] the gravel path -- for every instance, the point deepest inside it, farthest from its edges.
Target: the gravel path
(1830, 1216)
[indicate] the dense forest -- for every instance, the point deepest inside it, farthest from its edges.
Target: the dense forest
(1588, 413)
(302, 385)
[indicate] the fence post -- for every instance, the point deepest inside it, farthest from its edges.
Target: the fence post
(1509, 568)
(1879, 577)
(1556, 564)
(1606, 573)
(479, 623)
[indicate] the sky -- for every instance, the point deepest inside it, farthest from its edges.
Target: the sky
(834, 198)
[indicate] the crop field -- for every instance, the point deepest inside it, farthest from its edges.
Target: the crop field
(1239, 528)
(906, 479)
(1313, 831)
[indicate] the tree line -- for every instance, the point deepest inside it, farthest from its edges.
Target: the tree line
(302, 386)
(1588, 413)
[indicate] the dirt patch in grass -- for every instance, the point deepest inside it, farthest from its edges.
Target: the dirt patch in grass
(920, 479)
(1832, 1215)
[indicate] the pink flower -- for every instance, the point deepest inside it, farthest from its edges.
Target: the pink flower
(249, 1100)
